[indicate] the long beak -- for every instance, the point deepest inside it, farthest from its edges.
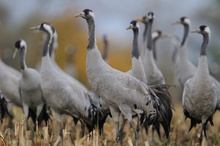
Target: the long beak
(175, 22)
(79, 15)
(129, 27)
(15, 52)
(35, 27)
(195, 31)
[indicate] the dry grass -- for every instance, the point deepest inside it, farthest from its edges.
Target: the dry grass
(48, 136)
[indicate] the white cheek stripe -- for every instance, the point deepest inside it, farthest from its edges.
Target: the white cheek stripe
(23, 43)
(154, 35)
(48, 28)
(187, 20)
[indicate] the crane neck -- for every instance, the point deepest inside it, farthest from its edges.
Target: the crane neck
(52, 49)
(135, 50)
(105, 53)
(154, 48)
(149, 36)
(22, 57)
(92, 39)
(185, 34)
(145, 32)
(47, 45)
(204, 45)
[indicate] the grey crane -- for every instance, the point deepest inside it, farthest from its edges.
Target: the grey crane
(156, 34)
(29, 86)
(105, 47)
(9, 83)
(200, 93)
(137, 66)
(122, 92)
(61, 94)
(154, 77)
(9, 87)
(153, 74)
(138, 72)
(93, 98)
(182, 63)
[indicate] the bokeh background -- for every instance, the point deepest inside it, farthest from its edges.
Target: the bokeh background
(112, 17)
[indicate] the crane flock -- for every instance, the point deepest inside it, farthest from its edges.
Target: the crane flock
(140, 94)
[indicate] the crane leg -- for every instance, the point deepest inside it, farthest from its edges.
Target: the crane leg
(120, 133)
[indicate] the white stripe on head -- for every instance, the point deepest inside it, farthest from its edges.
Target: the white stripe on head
(207, 29)
(48, 28)
(23, 44)
(155, 34)
(92, 14)
(187, 20)
(137, 25)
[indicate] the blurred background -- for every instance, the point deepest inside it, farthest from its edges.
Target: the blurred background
(112, 18)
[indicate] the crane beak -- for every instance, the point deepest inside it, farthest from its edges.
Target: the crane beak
(175, 22)
(79, 15)
(195, 31)
(35, 27)
(15, 52)
(129, 27)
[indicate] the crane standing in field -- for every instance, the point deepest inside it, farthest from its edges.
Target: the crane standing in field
(200, 93)
(60, 92)
(182, 63)
(123, 93)
(154, 77)
(30, 88)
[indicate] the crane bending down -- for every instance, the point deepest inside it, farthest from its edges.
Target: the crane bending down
(200, 93)
(123, 93)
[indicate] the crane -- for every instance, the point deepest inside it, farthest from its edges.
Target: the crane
(29, 86)
(61, 94)
(200, 93)
(182, 63)
(155, 77)
(123, 93)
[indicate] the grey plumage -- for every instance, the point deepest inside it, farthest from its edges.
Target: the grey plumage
(156, 35)
(59, 90)
(105, 47)
(153, 74)
(182, 63)
(29, 86)
(123, 93)
(200, 93)
(155, 77)
(184, 68)
(9, 83)
(137, 70)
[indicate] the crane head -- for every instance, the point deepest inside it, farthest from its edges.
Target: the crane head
(18, 45)
(46, 27)
(86, 14)
(133, 25)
